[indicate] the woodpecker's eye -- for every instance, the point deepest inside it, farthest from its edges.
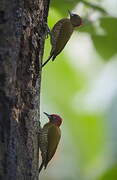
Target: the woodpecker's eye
(53, 118)
(75, 20)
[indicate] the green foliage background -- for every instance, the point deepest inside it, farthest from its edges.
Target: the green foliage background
(88, 147)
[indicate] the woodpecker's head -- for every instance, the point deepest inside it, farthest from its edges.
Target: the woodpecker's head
(75, 19)
(54, 118)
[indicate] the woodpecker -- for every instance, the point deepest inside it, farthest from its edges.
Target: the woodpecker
(61, 33)
(49, 138)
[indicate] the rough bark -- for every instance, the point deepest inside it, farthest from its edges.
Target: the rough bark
(22, 35)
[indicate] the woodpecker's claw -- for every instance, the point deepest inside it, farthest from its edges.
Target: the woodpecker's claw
(47, 30)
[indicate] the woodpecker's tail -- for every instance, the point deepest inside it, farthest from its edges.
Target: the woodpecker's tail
(47, 60)
(40, 168)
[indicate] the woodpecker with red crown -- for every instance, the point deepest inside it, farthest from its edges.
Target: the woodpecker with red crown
(61, 33)
(49, 139)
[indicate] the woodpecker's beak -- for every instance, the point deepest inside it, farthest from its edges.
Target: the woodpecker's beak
(70, 13)
(49, 116)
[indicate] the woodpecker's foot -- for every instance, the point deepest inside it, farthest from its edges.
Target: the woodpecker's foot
(47, 30)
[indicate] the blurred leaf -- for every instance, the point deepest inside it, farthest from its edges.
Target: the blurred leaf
(106, 46)
(70, 4)
(93, 6)
(64, 6)
(109, 24)
(110, 174)
(88, 28)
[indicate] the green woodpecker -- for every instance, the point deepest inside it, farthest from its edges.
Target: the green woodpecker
(61, 33)
(49, 138)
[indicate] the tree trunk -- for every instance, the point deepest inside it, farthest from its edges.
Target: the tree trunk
(22, 35)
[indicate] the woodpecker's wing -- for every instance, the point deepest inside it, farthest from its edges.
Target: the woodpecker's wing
(56, 30)
(54, 134)
(61, 33)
